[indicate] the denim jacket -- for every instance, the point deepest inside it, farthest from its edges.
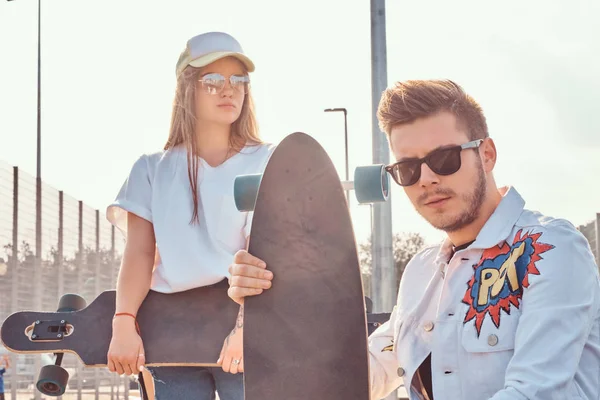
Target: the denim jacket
(514, 316)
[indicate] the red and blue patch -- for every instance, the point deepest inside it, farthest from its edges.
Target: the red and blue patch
(500, 276)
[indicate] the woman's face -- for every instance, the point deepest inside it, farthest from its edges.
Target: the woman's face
(220, 91)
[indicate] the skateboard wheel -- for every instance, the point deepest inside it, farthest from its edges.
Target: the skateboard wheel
(371, 184)
(52, 380)
(71, 302)
(245, 190)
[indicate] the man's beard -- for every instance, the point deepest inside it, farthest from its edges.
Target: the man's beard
(473, 200)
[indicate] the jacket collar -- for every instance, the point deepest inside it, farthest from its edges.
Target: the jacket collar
(496, 229)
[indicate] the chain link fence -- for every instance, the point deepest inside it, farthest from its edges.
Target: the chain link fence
(79, 252)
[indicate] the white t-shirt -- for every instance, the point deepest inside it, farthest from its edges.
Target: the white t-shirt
(158, 190)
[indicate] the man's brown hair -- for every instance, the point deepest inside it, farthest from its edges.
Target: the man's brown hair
(410, 100)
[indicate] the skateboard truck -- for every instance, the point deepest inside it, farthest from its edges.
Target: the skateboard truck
(52, 330)
(53, 378)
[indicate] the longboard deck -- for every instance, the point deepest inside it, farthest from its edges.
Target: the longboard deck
(184, 329)
(306, 337)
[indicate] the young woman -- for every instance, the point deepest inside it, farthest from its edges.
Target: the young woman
(177, 211)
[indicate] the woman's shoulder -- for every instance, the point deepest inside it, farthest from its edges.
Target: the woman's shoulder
(150, 161)
(258, 150)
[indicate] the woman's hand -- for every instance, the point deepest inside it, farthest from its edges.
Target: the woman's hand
(126, 350)
(231, 358)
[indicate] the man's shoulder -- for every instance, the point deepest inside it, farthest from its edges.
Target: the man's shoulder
(537, 222)
(559, 247)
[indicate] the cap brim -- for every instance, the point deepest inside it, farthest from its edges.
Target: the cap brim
(212, 57)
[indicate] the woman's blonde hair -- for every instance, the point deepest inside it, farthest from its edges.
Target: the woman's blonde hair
(244, 131)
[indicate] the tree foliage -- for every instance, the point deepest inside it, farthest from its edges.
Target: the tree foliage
(404, 245)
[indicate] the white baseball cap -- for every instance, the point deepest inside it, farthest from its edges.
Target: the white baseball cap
(209, 47)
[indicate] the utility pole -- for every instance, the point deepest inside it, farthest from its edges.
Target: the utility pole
(384, 272)
(382, 254)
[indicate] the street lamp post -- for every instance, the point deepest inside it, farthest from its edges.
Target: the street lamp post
(345, 143)
(39, 118)
(38, 177)
(38, 187)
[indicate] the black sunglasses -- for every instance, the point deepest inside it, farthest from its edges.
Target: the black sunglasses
(444, 161)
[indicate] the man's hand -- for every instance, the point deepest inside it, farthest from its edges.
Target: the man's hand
(249, 276)
(231, 358)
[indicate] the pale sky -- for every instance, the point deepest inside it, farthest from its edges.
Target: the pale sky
(108, 80)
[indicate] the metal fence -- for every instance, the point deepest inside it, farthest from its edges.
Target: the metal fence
(78, 253)
(591, 231)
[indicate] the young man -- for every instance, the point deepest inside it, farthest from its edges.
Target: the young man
(508, 306)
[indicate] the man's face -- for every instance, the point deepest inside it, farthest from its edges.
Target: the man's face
(448, 202)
